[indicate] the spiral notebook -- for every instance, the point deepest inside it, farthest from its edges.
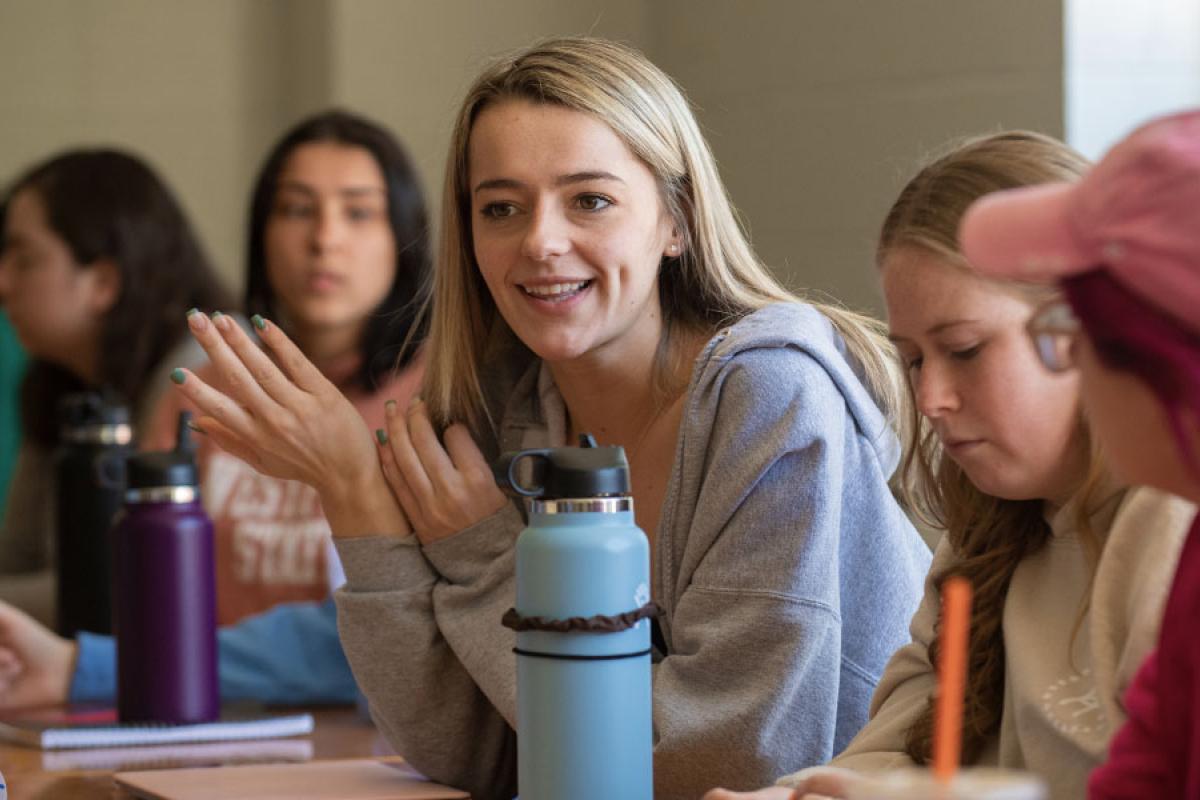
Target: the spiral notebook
(296, 749)
(74, 727)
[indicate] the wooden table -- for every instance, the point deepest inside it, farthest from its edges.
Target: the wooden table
(87, 774)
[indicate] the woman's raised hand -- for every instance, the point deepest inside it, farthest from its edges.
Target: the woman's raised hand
(443, 489)
(35, 663)
(279, 414)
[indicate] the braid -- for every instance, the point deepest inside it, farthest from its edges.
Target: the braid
(991, 537)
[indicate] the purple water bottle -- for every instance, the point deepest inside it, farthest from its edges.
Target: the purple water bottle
(164, 607)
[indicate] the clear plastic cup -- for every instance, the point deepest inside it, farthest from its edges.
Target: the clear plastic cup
(968, 784)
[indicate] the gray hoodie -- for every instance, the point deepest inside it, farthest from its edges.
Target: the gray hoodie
(786, 571)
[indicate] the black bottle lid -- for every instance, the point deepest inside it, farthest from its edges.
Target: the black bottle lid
(166, 468)
(89, 409)
(566, 472)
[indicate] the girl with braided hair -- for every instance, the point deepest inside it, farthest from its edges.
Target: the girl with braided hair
(1069, 565)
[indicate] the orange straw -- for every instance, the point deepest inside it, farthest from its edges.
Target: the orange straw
(952, 677)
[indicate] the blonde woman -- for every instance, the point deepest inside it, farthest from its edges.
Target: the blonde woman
(1070, 568)
(592, 277)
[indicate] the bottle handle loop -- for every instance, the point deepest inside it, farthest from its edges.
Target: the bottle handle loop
(507, 472)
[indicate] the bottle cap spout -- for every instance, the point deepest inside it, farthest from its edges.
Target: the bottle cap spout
(92, 417)
(84, 409)
(170, 468)
(183, 434)
(562, 472)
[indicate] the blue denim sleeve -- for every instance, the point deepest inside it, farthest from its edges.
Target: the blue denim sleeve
(95, 678)
(287, 655)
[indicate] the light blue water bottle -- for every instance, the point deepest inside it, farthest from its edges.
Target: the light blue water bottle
(584, 709)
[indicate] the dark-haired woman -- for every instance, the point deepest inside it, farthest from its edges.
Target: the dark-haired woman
(98, 263)
(337, 253)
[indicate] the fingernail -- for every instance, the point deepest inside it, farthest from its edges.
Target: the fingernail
(390, 407)
(416, 401)
(223, 322)
(194, 427)
(196, 321)
(259, 322)
(381, 435)
(192, 311)
(216, 315)
(178, 376)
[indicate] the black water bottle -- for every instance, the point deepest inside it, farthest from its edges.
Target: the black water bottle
(95, 438)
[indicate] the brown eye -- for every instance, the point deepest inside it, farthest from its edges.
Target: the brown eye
(498, 210)
(360, 214)
(293, 210)
(593, 202)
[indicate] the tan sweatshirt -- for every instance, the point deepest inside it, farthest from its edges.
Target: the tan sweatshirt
(1064, 685)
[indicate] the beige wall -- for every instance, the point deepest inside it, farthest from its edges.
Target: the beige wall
(170, 80)
(816, 109)
(409, 63)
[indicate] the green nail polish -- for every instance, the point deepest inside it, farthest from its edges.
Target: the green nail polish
(178, 376)
(192, 311)
(381, 435)
(217, 315)
(259, 322)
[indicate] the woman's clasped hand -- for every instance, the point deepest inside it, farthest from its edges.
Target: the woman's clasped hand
(443, 486)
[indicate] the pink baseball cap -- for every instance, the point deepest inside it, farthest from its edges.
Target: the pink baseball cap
(1136, 213)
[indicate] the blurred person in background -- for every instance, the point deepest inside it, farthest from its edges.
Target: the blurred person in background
(337, 252)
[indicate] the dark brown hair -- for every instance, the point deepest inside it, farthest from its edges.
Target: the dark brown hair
(1132, 335)
(108, 204)
(395, 328)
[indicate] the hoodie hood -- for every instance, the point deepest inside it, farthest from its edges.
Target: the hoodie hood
(804, 328)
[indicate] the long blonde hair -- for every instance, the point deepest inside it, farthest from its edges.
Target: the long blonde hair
(717, 279)
(990, 536)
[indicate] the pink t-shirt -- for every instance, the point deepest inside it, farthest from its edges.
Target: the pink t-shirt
(272, 543)
(1156, 754)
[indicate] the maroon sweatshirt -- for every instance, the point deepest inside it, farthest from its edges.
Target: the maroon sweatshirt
(1157, 753)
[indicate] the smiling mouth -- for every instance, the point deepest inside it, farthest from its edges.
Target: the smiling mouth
(556, 292)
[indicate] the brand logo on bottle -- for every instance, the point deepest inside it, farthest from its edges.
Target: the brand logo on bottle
(642, 595)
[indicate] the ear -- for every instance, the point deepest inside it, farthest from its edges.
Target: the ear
(104, 277)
